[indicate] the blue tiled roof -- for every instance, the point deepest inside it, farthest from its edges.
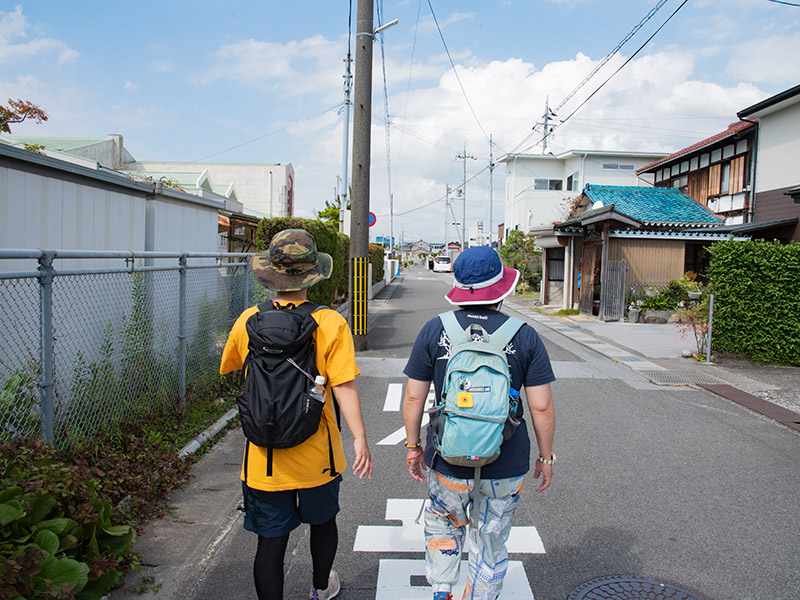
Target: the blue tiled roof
(652, 204)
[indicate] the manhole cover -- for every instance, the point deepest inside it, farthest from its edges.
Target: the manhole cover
(629, 588)
(679, 377)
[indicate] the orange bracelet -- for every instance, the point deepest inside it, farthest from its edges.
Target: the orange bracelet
(413, 456)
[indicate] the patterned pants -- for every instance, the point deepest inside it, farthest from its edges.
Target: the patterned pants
(446, 522)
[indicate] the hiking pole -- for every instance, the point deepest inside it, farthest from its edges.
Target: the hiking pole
(710, 327)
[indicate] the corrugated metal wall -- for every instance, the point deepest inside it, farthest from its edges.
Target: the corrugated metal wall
(649, 261)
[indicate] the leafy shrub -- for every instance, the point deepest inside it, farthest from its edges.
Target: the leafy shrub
(328, 240)
(757, 300)
(376, 260)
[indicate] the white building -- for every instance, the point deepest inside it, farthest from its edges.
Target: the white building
(777, 179)
(478, 235)
(539, 187)
(263, 189)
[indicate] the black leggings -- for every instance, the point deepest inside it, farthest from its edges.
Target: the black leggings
(268, 565)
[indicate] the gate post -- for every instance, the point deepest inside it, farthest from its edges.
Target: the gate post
(182, 334)
(46, 382)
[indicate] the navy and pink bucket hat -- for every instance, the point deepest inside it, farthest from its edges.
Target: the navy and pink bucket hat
(480, 278)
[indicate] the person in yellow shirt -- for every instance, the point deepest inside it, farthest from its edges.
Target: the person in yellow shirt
(303, 486)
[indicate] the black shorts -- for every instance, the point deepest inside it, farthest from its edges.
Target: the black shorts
(274, 514)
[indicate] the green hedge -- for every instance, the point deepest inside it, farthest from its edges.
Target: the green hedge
(328, 240)
(756, 288)
(376, 260)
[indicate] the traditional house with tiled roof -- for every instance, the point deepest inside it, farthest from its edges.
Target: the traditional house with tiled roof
(623, 236)
(715, 171)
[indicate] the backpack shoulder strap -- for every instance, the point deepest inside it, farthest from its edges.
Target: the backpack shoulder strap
(307, 307)
(452, 327)
(505, 333)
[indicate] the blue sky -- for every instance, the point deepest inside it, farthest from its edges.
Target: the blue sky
(255, 81)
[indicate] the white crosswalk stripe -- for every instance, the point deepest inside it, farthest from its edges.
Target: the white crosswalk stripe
(404, 579)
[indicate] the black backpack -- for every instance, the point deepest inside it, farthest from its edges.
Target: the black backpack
(275, 408)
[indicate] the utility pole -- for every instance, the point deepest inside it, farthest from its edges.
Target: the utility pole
(491, 186)
(359, 225)
(446, 216)
(464, 156)
(346, 145)
(547, 114)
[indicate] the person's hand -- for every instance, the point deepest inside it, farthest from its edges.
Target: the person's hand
(363, 463)
(416, 463)
(546, 471)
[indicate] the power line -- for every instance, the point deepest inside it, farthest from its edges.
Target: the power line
(455, 72)
(782, 2)
(266, 135)
(630, 58)
(440, 198)
(616, 49)
(594, 71)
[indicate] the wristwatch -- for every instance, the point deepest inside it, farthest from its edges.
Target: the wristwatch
(546, 461)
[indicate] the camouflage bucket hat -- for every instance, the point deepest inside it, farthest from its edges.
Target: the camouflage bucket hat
(292, 262)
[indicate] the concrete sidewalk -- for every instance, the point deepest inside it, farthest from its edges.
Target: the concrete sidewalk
(656, 352)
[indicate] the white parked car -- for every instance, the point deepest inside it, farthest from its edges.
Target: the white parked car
(442, 264)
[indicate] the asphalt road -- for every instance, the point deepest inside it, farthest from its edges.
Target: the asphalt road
(673, 484)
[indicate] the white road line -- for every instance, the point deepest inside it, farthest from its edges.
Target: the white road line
(410, 536)
(394, 581)
(394, 396)
(400, 434)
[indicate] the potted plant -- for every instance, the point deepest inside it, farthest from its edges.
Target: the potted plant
(694, 289)
(652, 290)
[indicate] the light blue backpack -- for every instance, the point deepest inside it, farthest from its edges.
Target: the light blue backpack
(476, 411)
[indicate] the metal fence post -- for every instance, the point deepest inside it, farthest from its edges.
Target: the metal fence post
(182, 333)
(246, 284)
(710, 327)
(46, 381)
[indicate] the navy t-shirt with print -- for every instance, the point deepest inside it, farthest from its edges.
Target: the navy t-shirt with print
(529, 366)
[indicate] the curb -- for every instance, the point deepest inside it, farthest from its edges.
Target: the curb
(209, 433)
(576, 334)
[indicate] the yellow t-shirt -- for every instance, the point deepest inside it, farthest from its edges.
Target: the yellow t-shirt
(308, 464)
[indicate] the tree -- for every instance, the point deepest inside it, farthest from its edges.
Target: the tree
(330, 214)
(17, 111)
(517, 252)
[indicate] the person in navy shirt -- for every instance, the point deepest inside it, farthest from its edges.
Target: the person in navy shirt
(481, 283)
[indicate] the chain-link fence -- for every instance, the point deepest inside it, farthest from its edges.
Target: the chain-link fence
(94, 338)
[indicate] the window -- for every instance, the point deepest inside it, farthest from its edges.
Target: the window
(703, 160)
(658, 175)
(547, 184)
(693, 163)
(573, 182)
(684, 166)
(727, 151)
(725, 179)
(609, 166)
(555, 264)
(741, 146)
(665, 173)
(716, 155)
(676, 169)
(681, 182)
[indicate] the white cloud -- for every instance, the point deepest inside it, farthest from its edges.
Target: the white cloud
(311, 65)
(15, 45)
(162, 66)
(767, 60)
(130, 86)
(656, 103)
